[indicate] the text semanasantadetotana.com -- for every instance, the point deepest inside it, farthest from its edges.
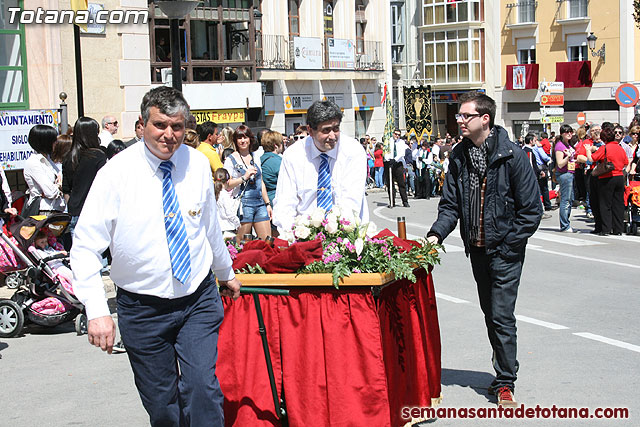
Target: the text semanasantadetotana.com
(415, 412)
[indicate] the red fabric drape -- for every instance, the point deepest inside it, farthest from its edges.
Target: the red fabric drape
(574, 73)
(340, 359)
(531, 76)
(411, 343)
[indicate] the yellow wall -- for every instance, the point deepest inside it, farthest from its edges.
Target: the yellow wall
(552, 48)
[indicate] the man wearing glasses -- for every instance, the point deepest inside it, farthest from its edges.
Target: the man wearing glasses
(109, 128)
(492, 190)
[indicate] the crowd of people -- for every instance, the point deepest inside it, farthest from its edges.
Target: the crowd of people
(587, 168)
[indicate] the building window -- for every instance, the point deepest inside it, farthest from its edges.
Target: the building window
(453, 56)
(294, 18)
(527, 56)
(577, 8)
(397, 32)
(13, 60)
(577, 47)
(526, 11)
(437, 12)
(577, 53)
(215, 43)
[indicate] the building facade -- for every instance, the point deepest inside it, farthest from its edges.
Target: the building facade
(548, 40)
(259, 62)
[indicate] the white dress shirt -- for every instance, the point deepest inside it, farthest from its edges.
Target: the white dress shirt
(5, 186)
(123, 211)
(105, 137)
(297, 188)
(41, 174)
(401, 151)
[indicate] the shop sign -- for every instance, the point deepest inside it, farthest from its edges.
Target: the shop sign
(219, 116)
(341, 54)
(552, 119)
(555, 100)
(14, 132)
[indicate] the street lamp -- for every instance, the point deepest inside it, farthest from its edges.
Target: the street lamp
(591, 40)
(257, 20)
(176, 10)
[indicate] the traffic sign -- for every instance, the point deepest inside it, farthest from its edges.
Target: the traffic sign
(627, 95)
(552, 100)
(581, 118)
(552, 87)
(551, 111)
(552, 119)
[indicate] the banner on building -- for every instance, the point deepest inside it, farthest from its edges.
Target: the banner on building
(519, 77)
(14, 133)
(308, 53)
(417, 110)
(389, 126)
(342, 54)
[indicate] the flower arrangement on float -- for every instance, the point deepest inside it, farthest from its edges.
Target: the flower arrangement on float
(350, 246)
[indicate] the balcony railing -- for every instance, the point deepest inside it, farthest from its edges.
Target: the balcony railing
(522, 12)
(371, 58)
(275, 52)
(272, 52)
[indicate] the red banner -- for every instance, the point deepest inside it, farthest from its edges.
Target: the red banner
(524, 76)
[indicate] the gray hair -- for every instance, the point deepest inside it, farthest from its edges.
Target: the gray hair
(322, 111)
(166, 99)
(105, 120)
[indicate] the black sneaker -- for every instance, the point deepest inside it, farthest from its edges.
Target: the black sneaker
(119, 347)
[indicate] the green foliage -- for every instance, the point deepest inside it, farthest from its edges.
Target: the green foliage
(636, 12)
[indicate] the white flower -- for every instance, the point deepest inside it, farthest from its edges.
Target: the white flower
(371, 230)
(317, 216)
(301, 231)
(288, 236)
(359, 244)
(332, 217)
(331, 226)
(336, 211)
(301, 220)
(348, 216)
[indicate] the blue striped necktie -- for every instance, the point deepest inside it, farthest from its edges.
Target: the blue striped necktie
(324, 184)
(174, 226)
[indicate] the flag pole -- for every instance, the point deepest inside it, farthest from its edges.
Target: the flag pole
(78, 58)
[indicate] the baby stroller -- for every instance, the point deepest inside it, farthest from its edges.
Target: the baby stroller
(41, 297)
(632, 207)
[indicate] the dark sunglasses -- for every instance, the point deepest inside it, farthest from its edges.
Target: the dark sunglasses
(297, 137)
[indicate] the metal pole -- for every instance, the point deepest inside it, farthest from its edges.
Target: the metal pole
(64, 116)
(176, 72)
(79, 90)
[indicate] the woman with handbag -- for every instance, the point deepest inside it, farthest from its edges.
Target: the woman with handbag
(565, 156)
(611, 160)
(42, 175)
(247, 184)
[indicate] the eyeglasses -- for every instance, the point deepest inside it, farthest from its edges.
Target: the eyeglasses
(635, 133)
(569, 131)
(297, 137)
(466, 116)
(618, 132)
(113, 123)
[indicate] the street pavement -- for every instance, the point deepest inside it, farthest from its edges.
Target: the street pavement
(578, 339)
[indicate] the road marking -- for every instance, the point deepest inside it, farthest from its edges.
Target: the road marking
(609, 341)
(447, 247)
(624, 238)
(540, 322)
(451, 299)
(377, 213)
(584, 258)
(564, 239)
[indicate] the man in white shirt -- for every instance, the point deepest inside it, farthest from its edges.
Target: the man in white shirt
(109, 128)
(297, 189)
(153, 206)
(398, 169)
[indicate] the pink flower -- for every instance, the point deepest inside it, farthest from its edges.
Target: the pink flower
(321, 236)
(350, 246)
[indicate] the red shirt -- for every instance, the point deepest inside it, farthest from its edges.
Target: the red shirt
(546, 146)
(581, 151)
(615, 155)
(379, 161)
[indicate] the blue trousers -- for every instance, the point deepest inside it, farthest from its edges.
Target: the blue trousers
(565, 180)
(172, 348)
(498, 279)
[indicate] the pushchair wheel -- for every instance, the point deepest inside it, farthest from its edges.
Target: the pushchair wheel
(81, 324)
(11, 319)
(13, 280)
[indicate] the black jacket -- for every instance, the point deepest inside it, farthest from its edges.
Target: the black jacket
(512, 206)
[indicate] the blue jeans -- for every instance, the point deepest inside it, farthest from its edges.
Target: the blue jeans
(161, 334)
(411, 177)
(565, 180)
(498, 278)
(379, 174)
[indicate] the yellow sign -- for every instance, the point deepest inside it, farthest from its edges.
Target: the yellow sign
(552, 119)
(219, 116)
